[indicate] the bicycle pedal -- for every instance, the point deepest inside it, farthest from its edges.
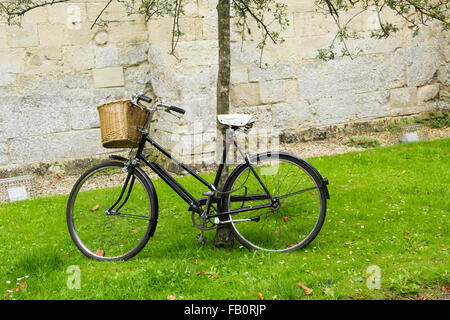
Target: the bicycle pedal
(201, 239)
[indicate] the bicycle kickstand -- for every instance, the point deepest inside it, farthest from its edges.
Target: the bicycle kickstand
(201, 238)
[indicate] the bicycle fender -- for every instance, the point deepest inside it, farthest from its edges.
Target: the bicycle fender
(324, 181)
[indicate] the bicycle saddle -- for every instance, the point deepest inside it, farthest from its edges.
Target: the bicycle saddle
(235, 120)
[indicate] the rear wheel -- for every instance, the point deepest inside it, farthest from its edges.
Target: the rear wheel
(101, 230)
(294, 218)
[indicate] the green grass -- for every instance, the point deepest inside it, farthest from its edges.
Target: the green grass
(389, 207)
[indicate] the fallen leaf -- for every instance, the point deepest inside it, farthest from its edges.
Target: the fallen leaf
(57, 176)
(134, 230)
(406, 237)
(260, 296)
(21, 286)
(306, 290)
(213, 277)
(441, 245)
(201, 273)
(196, 261)
(94, 208)
(285, 219)
(171, 297)
(100, 253)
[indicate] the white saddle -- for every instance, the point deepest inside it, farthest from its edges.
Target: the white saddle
(236, 120)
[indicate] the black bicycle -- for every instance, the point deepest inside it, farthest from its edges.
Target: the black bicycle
(273, 201)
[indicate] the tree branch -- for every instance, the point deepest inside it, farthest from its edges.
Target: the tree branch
(100, 14)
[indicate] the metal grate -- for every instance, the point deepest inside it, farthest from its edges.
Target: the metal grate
(411, 127)
(18, 184)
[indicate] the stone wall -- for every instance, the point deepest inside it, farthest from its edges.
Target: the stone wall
(55, 70)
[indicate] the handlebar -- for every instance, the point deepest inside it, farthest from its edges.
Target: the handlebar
(167, 108)
(142, 97)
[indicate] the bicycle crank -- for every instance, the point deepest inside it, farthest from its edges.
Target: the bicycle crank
(202, 223)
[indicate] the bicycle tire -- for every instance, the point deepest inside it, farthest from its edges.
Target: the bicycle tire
(253, 239)
(141, 233)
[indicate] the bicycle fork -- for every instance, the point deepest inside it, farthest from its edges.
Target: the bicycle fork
(129, 167)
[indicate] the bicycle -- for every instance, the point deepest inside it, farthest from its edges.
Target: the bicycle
(273, 201)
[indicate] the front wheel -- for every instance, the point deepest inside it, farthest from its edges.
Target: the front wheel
(295, 215)
(106, 221)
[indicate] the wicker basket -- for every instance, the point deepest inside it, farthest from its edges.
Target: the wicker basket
(119, 122)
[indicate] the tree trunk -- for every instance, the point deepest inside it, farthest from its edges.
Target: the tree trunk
(224, 237)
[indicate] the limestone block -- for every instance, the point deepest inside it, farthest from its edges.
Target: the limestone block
(372, 104)
(307, 47)
(127, 32)
(115, 12)
(403, 100)
(198, 53)
(106, 56)
(138, 75)
(312, 24)
(320, 79)
(206, 7)
(444, 74)
(291, 115)
(422, 63)
(336, 109)
(52, 35)
(38, 15)
(245, 94)
(282, 70)
(4, 153)
(25, 120)
(69, 14)
(262, 114)
(133, 55)
(160, 30)
(299, 6)
(391, 71)
(23, 36)
(108, 77)
(11, 60)
(271, 91)
(191, 27)
(56, 146)
(82, 35)
(11, 64)
(84, 117)
(428, 92)
(239, 72)
(78, 57)
(3, 43)
(291, 91)
(209, 26)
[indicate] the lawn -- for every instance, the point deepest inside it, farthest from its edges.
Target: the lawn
(386, 236)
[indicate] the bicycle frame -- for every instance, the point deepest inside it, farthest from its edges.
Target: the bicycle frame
(194, 203)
